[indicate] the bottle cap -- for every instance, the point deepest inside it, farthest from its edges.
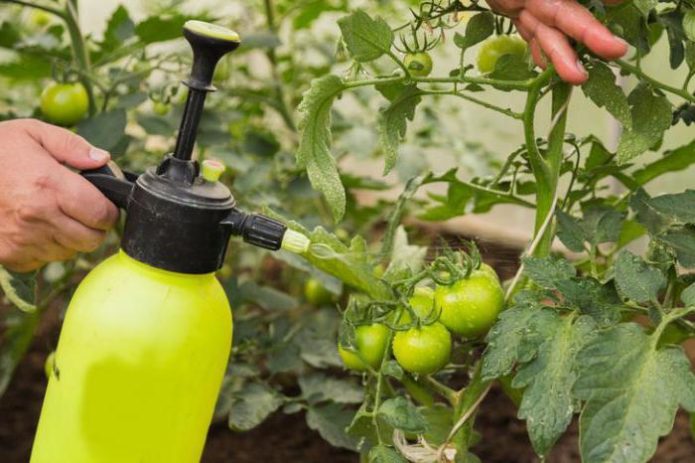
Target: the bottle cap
(211, 170)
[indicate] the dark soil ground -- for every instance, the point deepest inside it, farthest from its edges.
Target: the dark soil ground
(287, 439)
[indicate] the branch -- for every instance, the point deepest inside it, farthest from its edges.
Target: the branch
(666, 88)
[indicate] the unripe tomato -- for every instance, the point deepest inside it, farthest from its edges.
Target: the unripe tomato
(418, 64)
(470, 306)
(160, 108)
(64, 104)
(370, 344)
(689, 25)
(424, 350)
(316, 294)
(493, 48)
(422, 302)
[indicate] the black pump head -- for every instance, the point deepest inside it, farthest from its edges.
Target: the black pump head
(179, 216)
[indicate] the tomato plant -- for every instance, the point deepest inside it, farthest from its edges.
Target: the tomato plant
(64, 104)
(600, 297)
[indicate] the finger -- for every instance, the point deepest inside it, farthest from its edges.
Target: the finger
(536, 52)
(83, 202)
(576, 21)
(73, 235)
(557, 48)
(24, 266)
(51, 251)
(65, 146)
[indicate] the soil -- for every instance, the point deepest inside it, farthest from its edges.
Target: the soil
(286, 438)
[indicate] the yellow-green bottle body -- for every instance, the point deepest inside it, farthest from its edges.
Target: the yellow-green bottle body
(138, 367)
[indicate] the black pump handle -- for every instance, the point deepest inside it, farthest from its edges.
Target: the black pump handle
(114, 183)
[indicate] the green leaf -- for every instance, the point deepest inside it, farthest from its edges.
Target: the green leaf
(313, 152)
(602, 224)
(604, 92)
(267, 297)
(548, 404)
(478, 28)
(399, 413)
(636, 280)
(515, 338)
(19, 288)
(672, 161)
(105, 130)
(632, 392)
(646, 214)
(252, 405)
(384, 454)
(512, 67)
(19, 329)
(393, 122)
(682, 241)
(406, 259)
(119, 28)
(645, 6)
(688, 295)
(547, 271)
(317, 387)
(651, 116)
(161, 28)
(570, 232)
(331, 421)
(592, 298)
(367, 39)
(679, 206)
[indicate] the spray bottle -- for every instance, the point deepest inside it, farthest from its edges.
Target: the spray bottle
(147, 336)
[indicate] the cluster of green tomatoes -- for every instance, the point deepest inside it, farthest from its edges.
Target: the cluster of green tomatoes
(467, 307)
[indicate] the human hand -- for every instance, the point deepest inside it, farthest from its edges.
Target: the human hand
(547, 26)
(47, 211)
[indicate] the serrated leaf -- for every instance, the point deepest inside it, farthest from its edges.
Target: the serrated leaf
(570, 232)
(682, 241)
(406, 259)
(604, 92)
(515, 338)
(548, 404)
(547, 271)
(105, 130)
(645, 6)
(366, 39)
(119, 28)
(384, 454)
(313, 152)
(672, 161)
(317, 387)
(399, 413)
(393, 122)
(602, 224)
(161, 28)
(592, 298)
(252, 405)
(632, 392)
(688, 295)
(512, 67)
(19, 288)
(636, 280)
(647, 215)
(651, 116)
(478, 28)
(680, 206)
(331, 421)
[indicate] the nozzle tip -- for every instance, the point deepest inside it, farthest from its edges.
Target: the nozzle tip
(295, 242)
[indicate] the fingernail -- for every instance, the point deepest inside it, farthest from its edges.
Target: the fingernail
(581, 68)
(97, 154)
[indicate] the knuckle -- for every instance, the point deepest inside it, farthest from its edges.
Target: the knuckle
(30, 212)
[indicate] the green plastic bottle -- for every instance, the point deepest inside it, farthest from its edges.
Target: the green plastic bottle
(147, 336)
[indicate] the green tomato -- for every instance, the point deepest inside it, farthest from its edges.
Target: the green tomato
(494, 48)
(316, 294)
(424, 350)
(418, 64)
(689, 25)
(422, 302)
(469, 307)
(64, 104)
(160, 108)
(370, 345)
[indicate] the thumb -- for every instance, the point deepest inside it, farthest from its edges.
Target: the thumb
(65, 146)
